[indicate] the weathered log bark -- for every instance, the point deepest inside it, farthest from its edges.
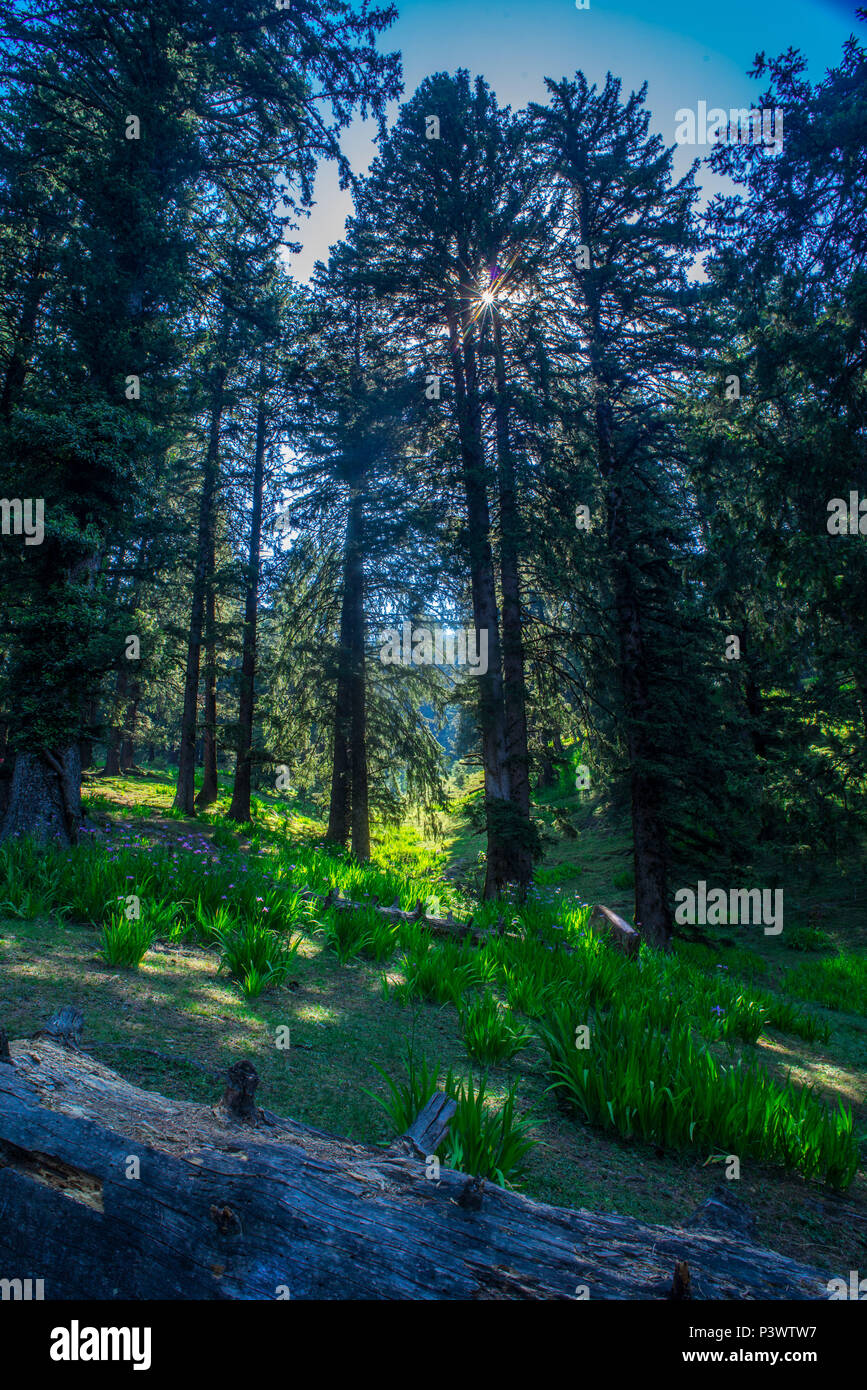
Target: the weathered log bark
(220, 1208)
(439, 926)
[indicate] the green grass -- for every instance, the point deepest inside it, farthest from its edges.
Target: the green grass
(809, 939)
(839, 983)
(673, 1056)
(124, 942)
(256, 955)
(667, 1087)
(490, 1035)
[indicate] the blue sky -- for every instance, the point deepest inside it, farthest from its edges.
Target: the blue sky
(686, 52)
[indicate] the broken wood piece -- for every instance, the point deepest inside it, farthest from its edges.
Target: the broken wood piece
(238, 1102)
(431, 1125)
(472, 1195)
(626, 938)
(64, 1027)
(680, 1284)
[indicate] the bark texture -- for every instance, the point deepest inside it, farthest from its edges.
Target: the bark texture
(41, 796)
(232, 1202)
(240, 807)
(184, 796)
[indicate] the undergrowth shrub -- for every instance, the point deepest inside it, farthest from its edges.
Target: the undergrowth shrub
(838, 983)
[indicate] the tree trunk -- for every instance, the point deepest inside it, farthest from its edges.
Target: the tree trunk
(339, 824)
(127, 747)
(210, 789)
(42, 797)
(551, 751)
(187, 761)
(113, 742)
(514, 690)
(85, 753)
(753, 698)
(652, 911)
(499, 871)
(251, 1206)
(240, 807)
(112, 754)
(85, 743)
(25, 333)
(360, 816)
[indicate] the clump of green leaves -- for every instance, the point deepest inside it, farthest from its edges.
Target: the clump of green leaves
(486, 1140)
(665, 1086)
(256, 956)
(125, 941)
(490, 1035)
(361, 931)
(436, 974)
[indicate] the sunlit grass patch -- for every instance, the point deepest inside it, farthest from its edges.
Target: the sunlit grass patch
(839, 983)
(667, 1087)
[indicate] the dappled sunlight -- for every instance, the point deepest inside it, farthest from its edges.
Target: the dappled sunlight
(316, 1013)
(829, 1076)
(176, 1023)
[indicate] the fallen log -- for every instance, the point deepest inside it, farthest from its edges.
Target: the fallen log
(624, 937)
(438, 926)
(110, 1191)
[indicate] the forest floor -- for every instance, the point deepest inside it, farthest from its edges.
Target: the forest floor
(175, 1023)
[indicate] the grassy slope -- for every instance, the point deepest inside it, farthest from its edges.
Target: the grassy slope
(177, 1005)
